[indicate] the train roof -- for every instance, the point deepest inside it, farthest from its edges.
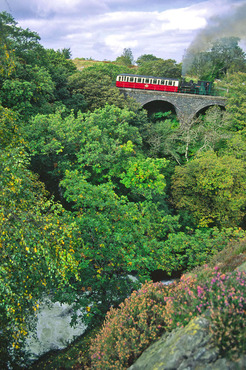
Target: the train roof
(145, 76)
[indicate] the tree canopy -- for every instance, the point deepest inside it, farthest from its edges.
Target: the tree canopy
(224, 55)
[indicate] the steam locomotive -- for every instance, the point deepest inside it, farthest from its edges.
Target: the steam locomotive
(163, 84)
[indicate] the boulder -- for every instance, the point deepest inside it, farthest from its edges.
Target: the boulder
(185, 348)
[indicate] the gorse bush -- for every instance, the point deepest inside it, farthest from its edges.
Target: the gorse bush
(156, 308)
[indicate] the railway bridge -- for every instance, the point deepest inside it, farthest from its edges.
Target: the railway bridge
(186, 106)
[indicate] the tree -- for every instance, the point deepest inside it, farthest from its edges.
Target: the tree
(146, 58)
(37, 245)
(7, 59)
(212, 188)
(235, 84)
(126, 58)
(223, 56)
(96, 88)
(120, 237)
(66, 52)
(159, 67)
(109, 69)
(23, 42)
(28, 97)
(182, 140)
(34, 80)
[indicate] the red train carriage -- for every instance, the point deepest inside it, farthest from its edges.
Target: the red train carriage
(147, 82)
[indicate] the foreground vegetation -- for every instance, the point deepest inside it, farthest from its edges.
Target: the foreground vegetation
(214, 289)
(94, 189)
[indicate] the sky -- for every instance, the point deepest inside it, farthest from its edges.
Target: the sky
(101, 29)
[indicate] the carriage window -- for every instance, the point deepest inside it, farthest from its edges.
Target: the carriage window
(131, 79)
(139, 79)
(170, 83)
(146, 80)
(154, 81)
(162, 82)
(120, 78)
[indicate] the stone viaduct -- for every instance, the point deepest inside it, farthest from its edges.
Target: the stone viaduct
(186, 106)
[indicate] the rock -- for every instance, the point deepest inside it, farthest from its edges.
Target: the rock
(185, 349)
(242, 268)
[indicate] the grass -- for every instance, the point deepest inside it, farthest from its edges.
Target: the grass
(81, 63)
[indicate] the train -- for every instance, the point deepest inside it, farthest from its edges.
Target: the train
(175, 85)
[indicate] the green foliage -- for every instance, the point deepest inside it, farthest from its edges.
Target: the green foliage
(146, 58)
(53, 142)
(109, 165)
(119, 236)
(180, 141)
(33, 80)
(109, 69)
(223, 56)
(212, 188)
(9, 132)
(7, 59)
(128, 330)
(96, 88)
(126, 58)
(236, 106)
(60, 59)
(37, 238)
(103, 142)
(183, 251)
(31, 96)
(23, 42)
(36, 244)
(144, 176)
(160, 67)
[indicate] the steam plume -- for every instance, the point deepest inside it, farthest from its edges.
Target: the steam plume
(233, 24)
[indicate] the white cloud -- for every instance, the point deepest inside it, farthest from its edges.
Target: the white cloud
(101, 29)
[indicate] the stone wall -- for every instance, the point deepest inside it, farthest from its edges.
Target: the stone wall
(186, 105)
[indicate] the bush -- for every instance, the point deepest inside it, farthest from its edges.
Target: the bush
(130, 329)
(146, 314)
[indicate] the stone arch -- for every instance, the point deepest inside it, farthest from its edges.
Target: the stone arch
(156, 105)
(204, 108)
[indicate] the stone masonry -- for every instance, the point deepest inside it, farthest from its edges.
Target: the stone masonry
(185, 105)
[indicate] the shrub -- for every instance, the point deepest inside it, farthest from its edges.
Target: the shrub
(228, 312)
(146, 314)
(130, 329)
(222, 297)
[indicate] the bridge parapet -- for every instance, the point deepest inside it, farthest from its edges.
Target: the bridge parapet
(185, 105)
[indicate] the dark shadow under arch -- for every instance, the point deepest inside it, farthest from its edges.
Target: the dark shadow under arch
(159, 106)
(205, 109)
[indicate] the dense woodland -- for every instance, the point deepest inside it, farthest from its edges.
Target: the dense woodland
(93, 188)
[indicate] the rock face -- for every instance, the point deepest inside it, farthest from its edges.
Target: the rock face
(185, 349)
